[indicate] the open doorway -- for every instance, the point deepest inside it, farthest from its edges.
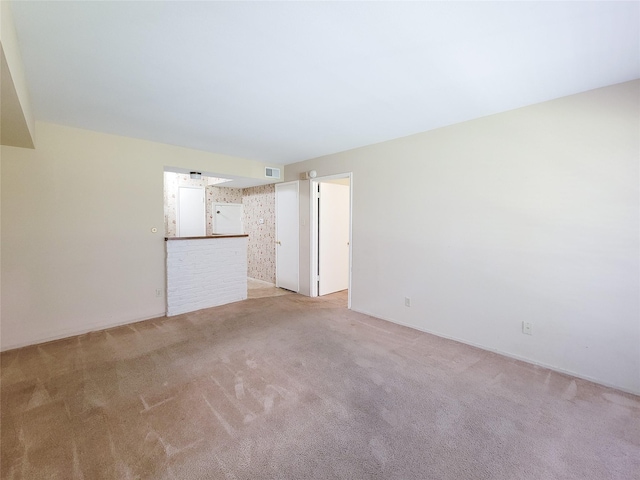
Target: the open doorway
(331, 235)
(189, 199)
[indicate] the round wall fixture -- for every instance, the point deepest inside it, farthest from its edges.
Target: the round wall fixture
(313, 174)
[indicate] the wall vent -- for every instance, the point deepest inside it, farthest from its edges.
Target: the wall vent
(271, 172)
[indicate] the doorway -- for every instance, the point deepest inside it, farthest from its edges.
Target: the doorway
(331, 212)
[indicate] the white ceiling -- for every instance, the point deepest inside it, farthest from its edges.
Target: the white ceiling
(287, 81)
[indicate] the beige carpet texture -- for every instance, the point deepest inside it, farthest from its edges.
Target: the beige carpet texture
(292, 387)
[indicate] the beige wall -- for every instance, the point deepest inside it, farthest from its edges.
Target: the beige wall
(77, 249)
(530, 215)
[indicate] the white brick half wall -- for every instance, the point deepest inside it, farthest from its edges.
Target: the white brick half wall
(205, 272)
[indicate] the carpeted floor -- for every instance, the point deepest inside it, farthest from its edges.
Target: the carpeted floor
(293, 388)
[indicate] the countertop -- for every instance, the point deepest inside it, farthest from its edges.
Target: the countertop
(215, 235)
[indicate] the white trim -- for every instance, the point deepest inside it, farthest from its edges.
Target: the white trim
(71, 332)
(313, 215)
(503, 353)
(267, 284)
(297, 219)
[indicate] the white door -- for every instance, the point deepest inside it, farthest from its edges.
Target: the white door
(287, 236)
(333, 238)
(227, 218)
(191, 212)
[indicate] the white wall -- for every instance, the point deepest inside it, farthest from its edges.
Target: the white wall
(205, 273)
(530, 215)
(78, 253)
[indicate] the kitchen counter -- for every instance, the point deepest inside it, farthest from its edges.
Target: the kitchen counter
(215, 235)
(204, 272)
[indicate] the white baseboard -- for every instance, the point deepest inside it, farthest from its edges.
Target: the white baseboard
(70, 332)
(266, 284)
(505, 354)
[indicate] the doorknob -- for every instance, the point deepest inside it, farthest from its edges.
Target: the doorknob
(278, 242)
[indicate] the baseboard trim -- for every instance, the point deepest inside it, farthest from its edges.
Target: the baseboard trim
(99, 327)
(266, 284)
(68, 333)
(504, 353)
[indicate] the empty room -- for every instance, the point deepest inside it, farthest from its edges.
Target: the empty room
(320, 240)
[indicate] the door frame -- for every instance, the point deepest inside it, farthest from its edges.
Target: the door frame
(313, 195)
(297, 220)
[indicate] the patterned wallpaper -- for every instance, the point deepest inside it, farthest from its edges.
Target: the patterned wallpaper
(258, 203)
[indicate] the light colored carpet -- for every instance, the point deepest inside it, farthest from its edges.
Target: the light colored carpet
(294, 388)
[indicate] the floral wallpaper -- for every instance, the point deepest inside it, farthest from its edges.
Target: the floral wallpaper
(260, 203)
(257, 203)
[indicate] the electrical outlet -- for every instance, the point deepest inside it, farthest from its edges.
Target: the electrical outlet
(407, 302)
(158, 292)
(526, 328)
